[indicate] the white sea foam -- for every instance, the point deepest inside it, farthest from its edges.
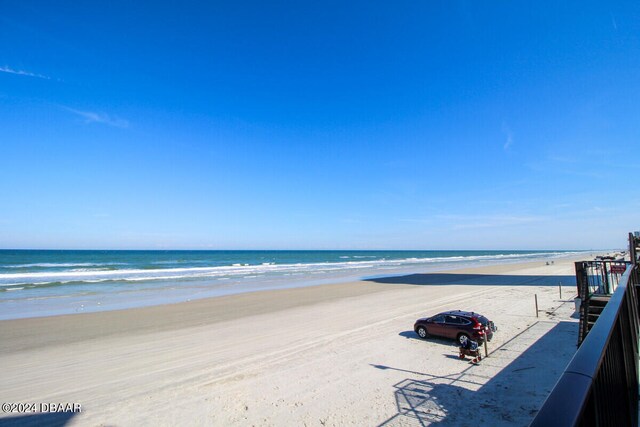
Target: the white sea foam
(237, 270)
(63, 264)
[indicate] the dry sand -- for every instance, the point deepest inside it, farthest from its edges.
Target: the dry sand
(325, 355)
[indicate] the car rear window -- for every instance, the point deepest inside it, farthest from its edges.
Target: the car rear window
(483, 320)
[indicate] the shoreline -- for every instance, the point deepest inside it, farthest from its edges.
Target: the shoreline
(197, 312)
(127, 299)
(284, 356)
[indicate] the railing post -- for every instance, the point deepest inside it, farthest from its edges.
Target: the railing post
(582, 283)
(606, 267)
(581, 279)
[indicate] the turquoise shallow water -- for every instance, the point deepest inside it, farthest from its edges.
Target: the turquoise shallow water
(45, 282)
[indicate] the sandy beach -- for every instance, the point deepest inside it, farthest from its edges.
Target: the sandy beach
(233, 213)
(342, 354)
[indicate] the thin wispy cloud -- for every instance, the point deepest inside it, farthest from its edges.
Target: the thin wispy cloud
(6, 69)
(416, 220)
(563, 159)
(509, 136)
(93, 117)
(350, 221)
(459, 222)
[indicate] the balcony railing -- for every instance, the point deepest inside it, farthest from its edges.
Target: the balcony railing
(600, 385)
(598, 277)
(597, 281)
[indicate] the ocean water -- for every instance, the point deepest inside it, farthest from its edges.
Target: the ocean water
(51, 282)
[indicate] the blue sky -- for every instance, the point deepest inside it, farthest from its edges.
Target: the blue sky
(319, 125)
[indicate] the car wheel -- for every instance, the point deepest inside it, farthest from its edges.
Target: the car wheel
(422, 332)
(461, 339)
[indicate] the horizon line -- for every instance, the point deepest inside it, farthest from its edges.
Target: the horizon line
(319, 250)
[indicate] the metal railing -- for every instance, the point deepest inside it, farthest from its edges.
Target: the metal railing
(600, 385)
(598, 277)
(595, 279)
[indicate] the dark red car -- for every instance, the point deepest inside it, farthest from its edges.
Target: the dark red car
(456, 324)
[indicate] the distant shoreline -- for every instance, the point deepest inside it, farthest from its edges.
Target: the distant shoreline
(45, 283)
(179, 314)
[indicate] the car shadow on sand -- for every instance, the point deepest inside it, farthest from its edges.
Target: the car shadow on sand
(442, 341)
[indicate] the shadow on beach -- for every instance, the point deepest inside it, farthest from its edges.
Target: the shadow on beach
(512, 396)
(440, 279)
(53, 419)
(411, 335)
